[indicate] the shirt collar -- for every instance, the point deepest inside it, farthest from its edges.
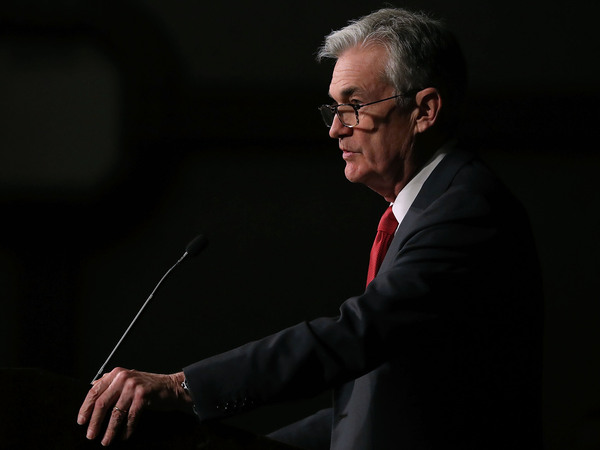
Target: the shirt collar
(408, 194)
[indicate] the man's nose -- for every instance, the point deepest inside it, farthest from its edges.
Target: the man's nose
(337, 129)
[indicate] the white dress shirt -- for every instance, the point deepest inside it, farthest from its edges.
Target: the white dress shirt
(408, 194)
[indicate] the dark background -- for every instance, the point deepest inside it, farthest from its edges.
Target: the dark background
(128, 127)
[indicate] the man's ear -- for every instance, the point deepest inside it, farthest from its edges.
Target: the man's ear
(429, 105)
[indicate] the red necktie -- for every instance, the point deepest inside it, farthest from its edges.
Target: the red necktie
(385, 234)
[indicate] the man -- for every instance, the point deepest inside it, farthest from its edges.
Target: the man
(442, 350)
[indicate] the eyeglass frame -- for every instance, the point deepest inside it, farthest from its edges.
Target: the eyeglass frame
(356, 106)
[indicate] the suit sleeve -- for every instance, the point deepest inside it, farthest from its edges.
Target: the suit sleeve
(455, 282)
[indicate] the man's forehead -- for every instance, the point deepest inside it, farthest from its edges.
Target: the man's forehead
(358, 71)
(349, 79)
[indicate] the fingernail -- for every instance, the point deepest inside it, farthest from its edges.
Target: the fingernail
(80, 419)
(90, 434)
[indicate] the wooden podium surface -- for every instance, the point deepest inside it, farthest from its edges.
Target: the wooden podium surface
(38, 410)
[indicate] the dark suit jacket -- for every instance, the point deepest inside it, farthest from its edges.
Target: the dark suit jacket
(441, 351)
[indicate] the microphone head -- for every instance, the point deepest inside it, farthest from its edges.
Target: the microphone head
(197, 244)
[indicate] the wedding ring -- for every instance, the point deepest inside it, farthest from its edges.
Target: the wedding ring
(116, 408)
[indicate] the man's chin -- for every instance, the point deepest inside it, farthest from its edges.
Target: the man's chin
(351, 175)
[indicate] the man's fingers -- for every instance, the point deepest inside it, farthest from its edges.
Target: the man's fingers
(123, 419)
(138, 405)
(105, 398)
(101, 409)
(135, 411)
(118, 418)
(90, 400)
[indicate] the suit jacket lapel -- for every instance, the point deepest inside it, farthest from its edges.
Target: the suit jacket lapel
(433, 188)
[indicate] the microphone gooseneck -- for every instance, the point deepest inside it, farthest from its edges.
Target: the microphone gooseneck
(197, 244)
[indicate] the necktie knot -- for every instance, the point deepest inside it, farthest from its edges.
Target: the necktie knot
(388, 222)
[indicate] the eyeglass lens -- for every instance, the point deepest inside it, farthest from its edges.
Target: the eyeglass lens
(347, 115)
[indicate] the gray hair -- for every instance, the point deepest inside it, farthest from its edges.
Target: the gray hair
(422, 52)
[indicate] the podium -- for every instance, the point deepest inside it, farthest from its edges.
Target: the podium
(38, 410)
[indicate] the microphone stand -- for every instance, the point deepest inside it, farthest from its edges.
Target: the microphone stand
(193, 248)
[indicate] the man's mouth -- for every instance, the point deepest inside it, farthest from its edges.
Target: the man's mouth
(347, 153)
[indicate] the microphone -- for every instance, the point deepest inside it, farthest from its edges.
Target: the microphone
(197, 244)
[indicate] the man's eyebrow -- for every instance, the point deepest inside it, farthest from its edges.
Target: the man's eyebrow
(348, 92)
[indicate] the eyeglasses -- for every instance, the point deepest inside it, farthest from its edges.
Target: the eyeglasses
(347, 112)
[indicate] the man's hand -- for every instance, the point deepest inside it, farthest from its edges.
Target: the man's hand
(124, 394)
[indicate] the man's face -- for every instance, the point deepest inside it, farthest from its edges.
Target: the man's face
(377, 151)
